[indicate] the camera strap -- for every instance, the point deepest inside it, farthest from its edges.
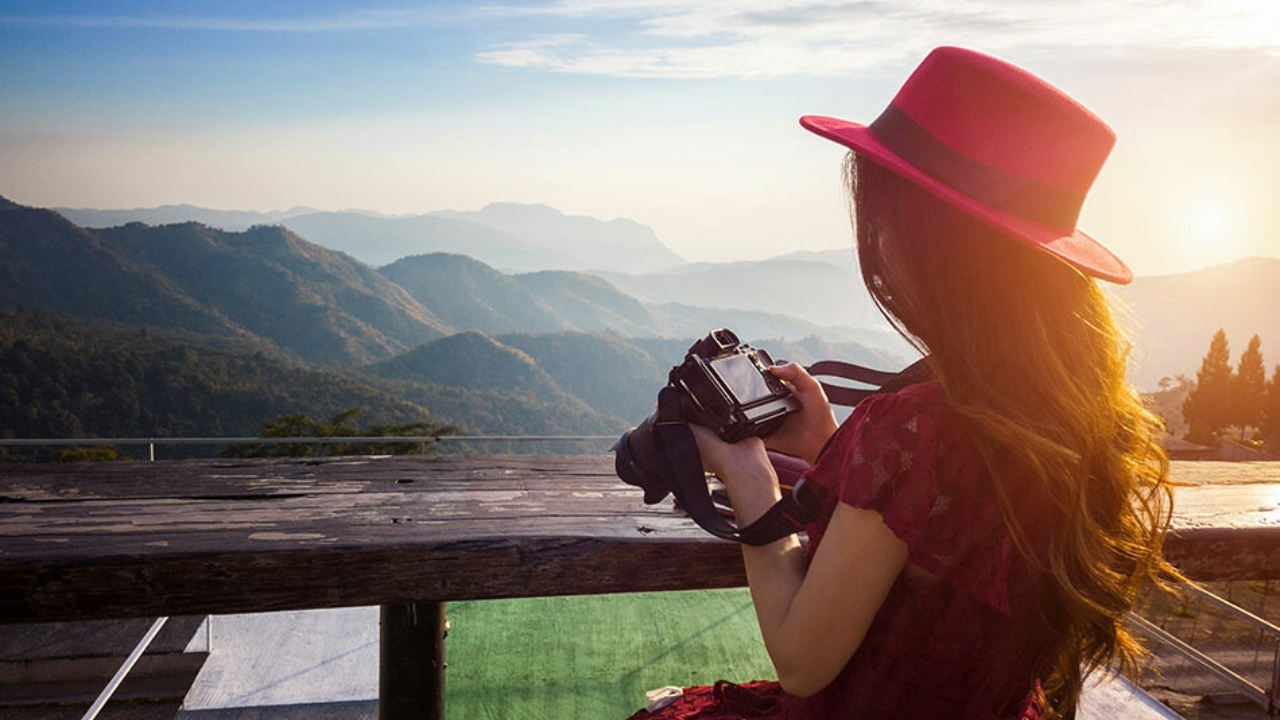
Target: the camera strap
(687, 481)
(882, 381)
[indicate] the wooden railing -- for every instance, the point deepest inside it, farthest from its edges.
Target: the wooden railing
(124, 540)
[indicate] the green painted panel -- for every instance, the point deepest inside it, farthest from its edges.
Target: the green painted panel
(594, 657)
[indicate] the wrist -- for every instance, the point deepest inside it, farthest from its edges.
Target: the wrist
(752, 491)
(818, 442)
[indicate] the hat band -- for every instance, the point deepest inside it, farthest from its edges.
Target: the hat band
(984, 183)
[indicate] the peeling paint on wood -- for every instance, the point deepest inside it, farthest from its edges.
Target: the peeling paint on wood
(285, 536)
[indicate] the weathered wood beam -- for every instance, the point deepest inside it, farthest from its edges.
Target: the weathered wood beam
(1217, 554)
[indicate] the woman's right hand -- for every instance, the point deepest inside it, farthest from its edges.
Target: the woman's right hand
(805, 433)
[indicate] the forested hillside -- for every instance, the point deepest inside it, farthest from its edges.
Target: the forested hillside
(470, 294)
(322, 305)
(60, 377)
(63, 378)
(317, 304)
(48, 263)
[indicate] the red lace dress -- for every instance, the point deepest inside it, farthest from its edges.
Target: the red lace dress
(929, 651)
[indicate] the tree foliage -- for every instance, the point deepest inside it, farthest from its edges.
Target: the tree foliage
(1250, 386)
(1271, 412)
(338, 427)
(1208, 407)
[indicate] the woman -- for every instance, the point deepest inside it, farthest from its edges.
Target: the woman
(985, 531)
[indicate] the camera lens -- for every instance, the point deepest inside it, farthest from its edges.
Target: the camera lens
(637, 461)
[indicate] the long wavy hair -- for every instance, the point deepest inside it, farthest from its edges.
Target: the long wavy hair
(1029, 357)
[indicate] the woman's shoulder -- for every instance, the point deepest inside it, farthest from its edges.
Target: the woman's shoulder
(888, 435)
(906, 456)
(925, 396)
(910, 412)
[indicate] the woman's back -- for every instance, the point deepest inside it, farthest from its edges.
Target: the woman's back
(956, 605)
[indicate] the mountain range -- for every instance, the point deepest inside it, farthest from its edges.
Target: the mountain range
(509, 236)
(1172, 318)
(457, 339)
(316, 304)
(441, 334)
(321, 305)
(1168, 318)
(619, 244)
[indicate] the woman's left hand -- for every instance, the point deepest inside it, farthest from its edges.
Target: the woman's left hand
(723, 458)
(745, 470)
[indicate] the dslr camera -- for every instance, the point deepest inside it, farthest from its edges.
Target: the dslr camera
(724, 385)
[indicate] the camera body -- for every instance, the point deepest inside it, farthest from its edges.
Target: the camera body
(722, 385)
(726, 386)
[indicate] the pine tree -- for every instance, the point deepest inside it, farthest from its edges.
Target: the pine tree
(1249, 387)
(1208, 406)
(1271, 413)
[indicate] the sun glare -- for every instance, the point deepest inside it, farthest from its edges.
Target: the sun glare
(1210, 222)
(1210, 233)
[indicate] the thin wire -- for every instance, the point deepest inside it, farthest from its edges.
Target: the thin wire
(354, 439)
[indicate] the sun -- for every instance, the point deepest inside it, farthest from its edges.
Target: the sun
(1209, 232)
(1210, 222)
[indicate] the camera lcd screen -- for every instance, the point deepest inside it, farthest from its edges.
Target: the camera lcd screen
(742, 377)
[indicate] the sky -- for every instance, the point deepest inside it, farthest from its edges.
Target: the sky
(681, 116)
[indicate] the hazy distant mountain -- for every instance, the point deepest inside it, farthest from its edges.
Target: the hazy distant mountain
(1173, 317)
(509, 236)
(469, 294)
(814, 291)
(173, 214)
(845, 258)
(618, 245)
(1176, 316)
(379, 240)
(689, 321)
(589, 303)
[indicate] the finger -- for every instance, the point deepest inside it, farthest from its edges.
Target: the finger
(797, 376)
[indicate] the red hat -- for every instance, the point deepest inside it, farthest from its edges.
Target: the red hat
(997, 142)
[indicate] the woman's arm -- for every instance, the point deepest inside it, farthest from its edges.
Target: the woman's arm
(813, 620)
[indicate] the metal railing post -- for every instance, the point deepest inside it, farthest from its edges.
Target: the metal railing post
(120, 675)
(1275, 678)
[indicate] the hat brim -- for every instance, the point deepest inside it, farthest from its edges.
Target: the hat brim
(1072, 246)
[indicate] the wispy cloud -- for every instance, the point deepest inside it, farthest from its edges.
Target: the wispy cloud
(343, 22)
(765, 38)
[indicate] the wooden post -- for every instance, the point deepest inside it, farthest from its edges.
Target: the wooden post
(411, 662)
